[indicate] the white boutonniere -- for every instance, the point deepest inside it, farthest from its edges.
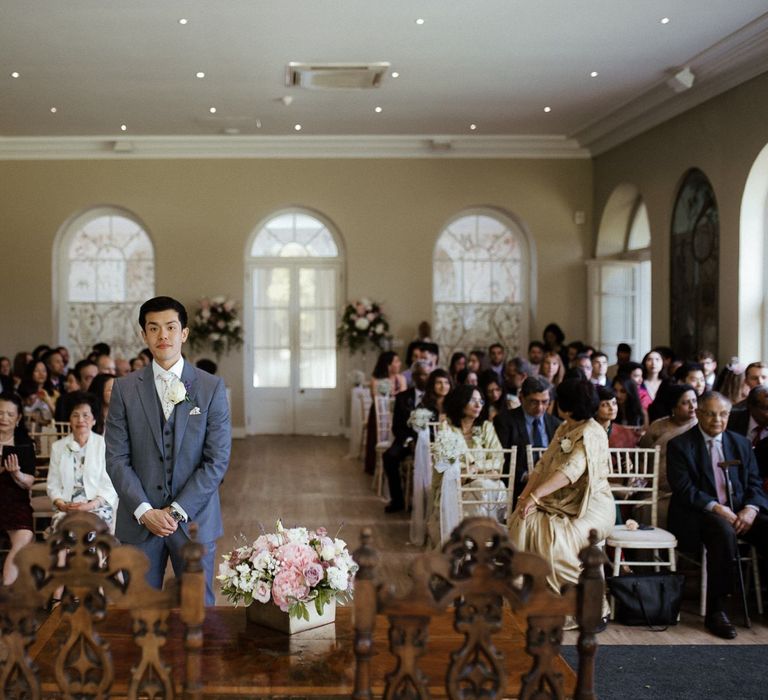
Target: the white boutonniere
(177, 392)
(74, 446)
(566, 445)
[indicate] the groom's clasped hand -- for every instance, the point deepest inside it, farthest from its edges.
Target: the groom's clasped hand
(159, 522)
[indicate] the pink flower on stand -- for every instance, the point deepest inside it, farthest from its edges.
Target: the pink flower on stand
(297, 555)
(289, 585)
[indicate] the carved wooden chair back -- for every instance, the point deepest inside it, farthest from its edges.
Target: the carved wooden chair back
(477, 571)
(92, 574)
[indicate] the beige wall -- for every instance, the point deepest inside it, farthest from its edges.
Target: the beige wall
(722, 137)
(200, 214)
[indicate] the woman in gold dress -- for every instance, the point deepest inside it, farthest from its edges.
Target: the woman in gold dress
(568, 493)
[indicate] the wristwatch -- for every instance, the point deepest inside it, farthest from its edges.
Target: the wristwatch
(178, 517)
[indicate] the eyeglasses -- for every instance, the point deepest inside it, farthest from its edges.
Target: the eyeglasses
(714, 414)
(477, 402)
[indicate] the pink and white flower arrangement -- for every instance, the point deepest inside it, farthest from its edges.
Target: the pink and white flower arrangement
(216, 323)
(292, 567)
(363, 322)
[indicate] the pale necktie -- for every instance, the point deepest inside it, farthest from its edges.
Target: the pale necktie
(720, 485)
(167, 378)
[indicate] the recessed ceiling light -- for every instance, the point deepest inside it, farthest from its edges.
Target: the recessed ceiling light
(54, 110)
(473, 127)
(183, 20)
(419, 21)
(199, 74)
(297, 127)
(212, 110)
(15, 74)
(395, 74)
(594, 74)
(547, 109)
(377, 110)
(664, 20)
(123, 127)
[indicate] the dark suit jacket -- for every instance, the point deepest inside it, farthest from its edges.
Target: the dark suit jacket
(689, 472)
(739, 421)
(405, 402)
(510, 427)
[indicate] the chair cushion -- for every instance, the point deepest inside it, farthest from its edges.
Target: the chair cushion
(640, 539)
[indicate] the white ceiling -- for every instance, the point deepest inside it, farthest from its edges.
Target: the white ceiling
(496, 63)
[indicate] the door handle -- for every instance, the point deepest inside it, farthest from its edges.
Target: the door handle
(301, 391)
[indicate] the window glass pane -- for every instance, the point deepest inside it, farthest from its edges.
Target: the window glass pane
(317, 287)
(477, 281)
(110, 280)
(292, 236)
(271, 287)
(272, 367)
(505, 286)
(317, 369)
(617, 320)
(617, 279)
(318, 328)
(292, 249)
(139, 280)
(447, 284)
(503, 245)
(488, 226)
(82, 281)
(271, 328)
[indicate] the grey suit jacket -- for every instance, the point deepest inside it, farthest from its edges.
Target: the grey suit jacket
(201, 448)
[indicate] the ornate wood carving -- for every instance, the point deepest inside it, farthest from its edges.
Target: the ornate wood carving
(84, 565)
(477, 571)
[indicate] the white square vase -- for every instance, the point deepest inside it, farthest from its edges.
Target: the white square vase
(269, 615)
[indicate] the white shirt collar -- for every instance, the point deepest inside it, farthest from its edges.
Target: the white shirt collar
(177, 369)
(707, 438)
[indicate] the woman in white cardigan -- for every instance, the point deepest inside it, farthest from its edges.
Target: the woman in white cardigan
(77, 475)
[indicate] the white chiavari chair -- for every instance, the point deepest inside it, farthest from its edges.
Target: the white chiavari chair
(383, 408)
(364, 406)
(484, 489)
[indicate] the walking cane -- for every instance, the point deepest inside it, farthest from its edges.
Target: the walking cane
(729, 488)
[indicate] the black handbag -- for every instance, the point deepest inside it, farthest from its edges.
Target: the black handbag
(652, 600)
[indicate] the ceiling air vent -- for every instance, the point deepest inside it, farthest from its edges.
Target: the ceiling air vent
(329, 76)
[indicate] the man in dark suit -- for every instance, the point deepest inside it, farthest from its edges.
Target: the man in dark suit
(528, 424)
(404, 435)
(752, 420)
(699, 511)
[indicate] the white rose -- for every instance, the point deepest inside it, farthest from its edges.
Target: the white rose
(262, 592)
(337, 578)
(229, 305)
(177, 392)
(379, 328)
(362, 324)
(225, 570)
(366, 302)
(297, 534)
(566, 445)
(219, 299)
(340, 545)
(215, 336)
(205, 314)
(234, 323)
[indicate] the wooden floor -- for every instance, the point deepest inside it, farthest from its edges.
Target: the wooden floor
(308, 481)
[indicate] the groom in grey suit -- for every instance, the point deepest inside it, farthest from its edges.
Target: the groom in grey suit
(168, 438)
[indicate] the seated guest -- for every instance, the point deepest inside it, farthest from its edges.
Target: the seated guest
(476, 361)
(37, 413)
(106, 365)
(386, 380)
(122, 367)
(414, 353)
(137, 363)
(623, 355)
(554, 338)
(572, 351)
(5, 367)
(79, 379)
(752, 421)
(528, 424)
(536, 352)
(708, 363)
(552, 368)
(463, 408)
(692, 373)
(101, 390)
(15, 509)
(437, 389)
(457, 364)
(493, 395)
(630, 409)
(496, 355)
(756, 374)
(653, 374)
(207, 365)
(77, 476)
(699, 512)
(467, 376)
(730, 381)
(584, 363)
(635, 371)
(6, 378)
(599, 369)
(20, 362)
(682, 417)
(404, 435)
(36, 374)
(668, 358)
(568, 493)
(516, 371)
(607, 412)
(431, 354)
(55, 364)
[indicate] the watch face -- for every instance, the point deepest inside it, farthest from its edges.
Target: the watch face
(178, 517)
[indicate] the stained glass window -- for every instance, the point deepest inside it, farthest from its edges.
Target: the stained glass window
(294, 235)
(480, 282)
(110, 272)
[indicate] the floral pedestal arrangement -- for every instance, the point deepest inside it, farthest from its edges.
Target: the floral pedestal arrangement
(269, 615)
(289, 580)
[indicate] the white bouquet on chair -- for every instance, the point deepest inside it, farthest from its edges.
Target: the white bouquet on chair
(419, 418)
(448, 446)
(384, 387)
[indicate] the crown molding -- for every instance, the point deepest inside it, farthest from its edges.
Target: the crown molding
(299, 146)
(732, 61)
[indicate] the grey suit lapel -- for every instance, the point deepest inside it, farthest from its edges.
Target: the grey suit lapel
(182, 409)
(150, 404)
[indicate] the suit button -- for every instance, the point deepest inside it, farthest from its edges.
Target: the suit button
(168, 447)
(170, 471)
(159, 488)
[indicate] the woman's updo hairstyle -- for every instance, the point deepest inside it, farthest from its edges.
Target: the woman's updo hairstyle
(578, 397)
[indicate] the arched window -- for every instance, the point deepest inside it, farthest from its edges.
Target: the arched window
(106, 265)
(293, 280)
(619, 278)
(481, 284)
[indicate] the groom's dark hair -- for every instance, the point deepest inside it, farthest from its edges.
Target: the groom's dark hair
(162, 304)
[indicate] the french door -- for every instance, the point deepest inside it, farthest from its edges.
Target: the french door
(292, 377)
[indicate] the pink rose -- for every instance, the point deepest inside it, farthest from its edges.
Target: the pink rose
(321, 532)
(297, 555)
(313, 574)
(289, 585)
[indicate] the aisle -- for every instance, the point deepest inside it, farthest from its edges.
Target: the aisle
(307, 481)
